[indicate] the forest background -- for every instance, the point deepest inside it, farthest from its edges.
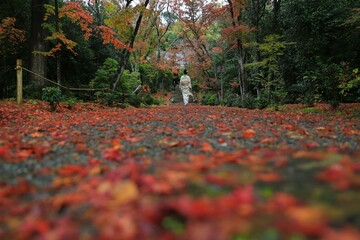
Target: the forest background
(245, 53)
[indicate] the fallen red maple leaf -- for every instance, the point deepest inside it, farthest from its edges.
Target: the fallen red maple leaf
(250, 133)
(4, 151)
(342, 234)
(33, 226)
(309, 221)
(72, 170)
(280, 202)
(206, 147)
(268, 177)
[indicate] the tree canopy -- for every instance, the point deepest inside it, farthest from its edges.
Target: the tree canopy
(254, 50)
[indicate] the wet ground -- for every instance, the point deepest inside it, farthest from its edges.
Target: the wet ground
(178, 172)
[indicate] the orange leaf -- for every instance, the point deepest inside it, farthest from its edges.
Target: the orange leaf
(206, 147)
(124, 192)
(23, 154)
(344, 234)
(268, 177)
(250, 133)
(71, 170)
(71, 198)
(310, 221)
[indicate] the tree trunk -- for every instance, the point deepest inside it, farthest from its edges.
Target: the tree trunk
(123, 60)
(126, 53)
(240, 53)
(58, 54)
(241, 73)
(276, 9)
(158, 58)
(38, 44)
(257, 11)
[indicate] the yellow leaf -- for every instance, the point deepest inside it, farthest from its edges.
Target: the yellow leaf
(124, 192)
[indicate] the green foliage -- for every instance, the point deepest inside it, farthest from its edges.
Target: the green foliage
(312, 110)
(174, 224)
(321, 85)
(129, 82)
(32, 101)
(262, 102)
(350, 82)
(105, 74)
(112, 99)
(166, 77)
(249, 102)
(150, 100)
(267, 74)
(134, 100)
(155, 77)
(321, 39)
(210, 99)
(70, 102)
(117, 99)
(311, 90)
(149, 75)
(278, 97)
(232, 99)
(53, 96)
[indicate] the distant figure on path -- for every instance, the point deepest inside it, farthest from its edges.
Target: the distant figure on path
(185, 87)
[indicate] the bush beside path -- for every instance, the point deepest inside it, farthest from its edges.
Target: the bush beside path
(175, 172)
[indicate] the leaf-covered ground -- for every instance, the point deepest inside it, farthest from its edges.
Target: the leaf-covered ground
(177, 172)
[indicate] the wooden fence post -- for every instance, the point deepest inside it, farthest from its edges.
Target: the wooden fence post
(19, 81)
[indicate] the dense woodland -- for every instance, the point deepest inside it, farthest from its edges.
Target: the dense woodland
(246, 53)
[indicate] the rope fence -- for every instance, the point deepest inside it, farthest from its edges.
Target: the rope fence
(68, 88)
(19, 69)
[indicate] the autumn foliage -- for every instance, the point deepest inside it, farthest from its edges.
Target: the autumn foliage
(75, 12)
(195, 172)
(8, 30)
(10, 34)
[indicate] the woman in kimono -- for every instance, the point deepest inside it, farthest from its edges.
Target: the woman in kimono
(185, 87)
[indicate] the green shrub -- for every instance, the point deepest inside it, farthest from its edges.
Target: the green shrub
(261, 103)
(334, 103)
(232, 100)
(149, 76)
(150, 100)
(32, 101)
(105, 74)
(111, 99)
(210, 99)
(350, 83)
(278, 98)
(309, 110)
(53, 96)
(70, 102)
(134, 100)
(155, 77)
(249, 102)
(129, 82)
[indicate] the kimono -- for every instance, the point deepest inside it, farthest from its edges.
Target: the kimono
(185, 87)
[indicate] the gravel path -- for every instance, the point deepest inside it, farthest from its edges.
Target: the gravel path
(216, 150)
